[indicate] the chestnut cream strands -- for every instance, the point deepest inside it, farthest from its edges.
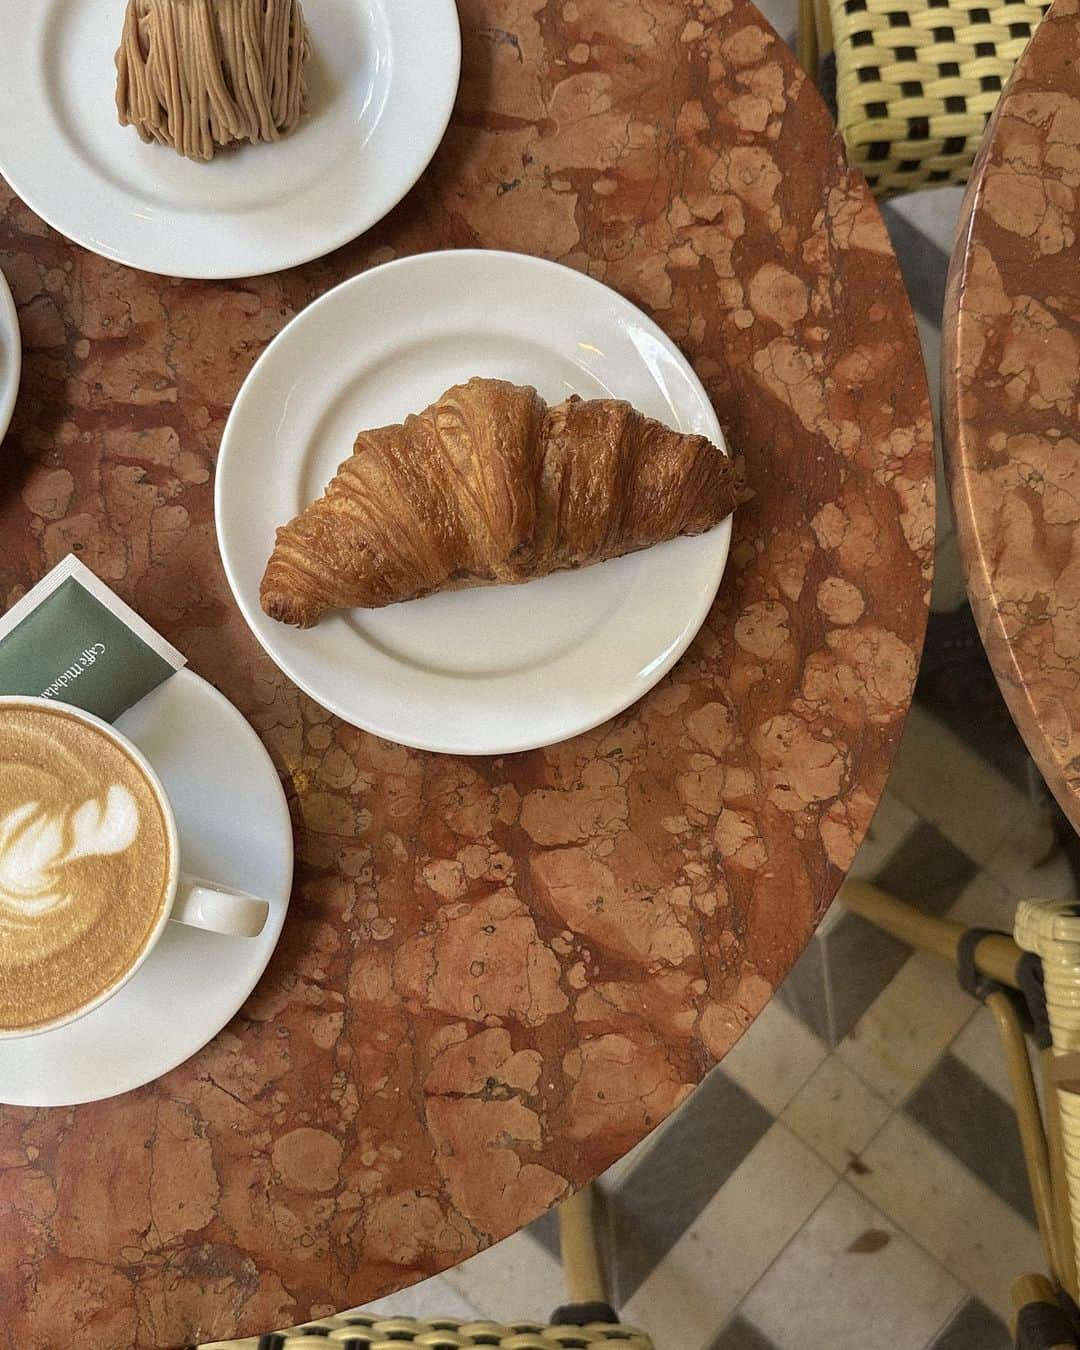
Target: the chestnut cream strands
(198, 75)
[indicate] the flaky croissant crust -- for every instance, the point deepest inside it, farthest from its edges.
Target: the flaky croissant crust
(490, 485)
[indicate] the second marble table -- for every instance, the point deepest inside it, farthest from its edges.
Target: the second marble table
(1011, 382)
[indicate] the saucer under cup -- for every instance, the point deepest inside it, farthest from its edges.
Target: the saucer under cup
(234, 826)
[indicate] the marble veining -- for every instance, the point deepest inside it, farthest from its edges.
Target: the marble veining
(1012, 392)
(497, 975)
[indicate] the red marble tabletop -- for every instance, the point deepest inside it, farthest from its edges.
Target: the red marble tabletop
(1011, 376)
(497, 975)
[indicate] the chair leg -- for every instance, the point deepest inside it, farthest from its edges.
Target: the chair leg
(1032, 1132)
(806, 46)
(996, 954)
(582, 1268)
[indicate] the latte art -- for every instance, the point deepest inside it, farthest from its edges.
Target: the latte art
(85, 864)
(37, 847)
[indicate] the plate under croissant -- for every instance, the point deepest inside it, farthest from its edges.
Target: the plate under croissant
(497, 669)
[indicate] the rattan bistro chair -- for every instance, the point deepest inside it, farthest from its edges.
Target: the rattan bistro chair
(912, 83)
(1031, 984)
(588, 1320)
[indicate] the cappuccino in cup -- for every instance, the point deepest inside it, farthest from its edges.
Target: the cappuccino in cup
(88, 866)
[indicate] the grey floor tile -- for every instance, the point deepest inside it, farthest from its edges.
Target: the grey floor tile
(927, 870)
(545, 1231)
(933, 212)
(657, 1200)
(803, 992)
(955, 683)
(959, 1110)
(840, 974)
(860, 960)
(892, 823)
(952, 783)
(783, 15)
(739, 1334)
(974, 1328)
(950, 587)
(923, 263)
(944, 522)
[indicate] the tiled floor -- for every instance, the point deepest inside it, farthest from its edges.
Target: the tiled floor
(851, 1175)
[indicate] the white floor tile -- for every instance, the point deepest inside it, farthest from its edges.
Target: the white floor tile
(985, 903)
(1031, 842)
(932, 1196)
(775, 1057)
(517, 1279)
(431, 1298)
(851, 1280)
(949, 784)
(753, 1216)
(836, 1113)
(900, 1036)
(893, 822)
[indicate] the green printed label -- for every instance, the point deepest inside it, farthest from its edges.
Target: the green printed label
(78, 649)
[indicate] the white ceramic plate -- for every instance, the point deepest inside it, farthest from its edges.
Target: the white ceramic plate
(500, 668)
(382, 80)
(234, 828)
(10, 355)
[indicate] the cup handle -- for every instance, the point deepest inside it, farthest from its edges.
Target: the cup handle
(200, 905)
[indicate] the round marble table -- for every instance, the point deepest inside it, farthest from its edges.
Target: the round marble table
(1011, 376)
(497, 975)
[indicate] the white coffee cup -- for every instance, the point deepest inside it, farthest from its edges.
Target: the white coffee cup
(190, 900)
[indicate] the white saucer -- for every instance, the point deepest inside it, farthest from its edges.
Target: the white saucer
(382, 81)
(234, 828)
(10, 355)
(484, 671)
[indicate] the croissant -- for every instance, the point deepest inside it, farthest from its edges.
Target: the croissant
(490, 485)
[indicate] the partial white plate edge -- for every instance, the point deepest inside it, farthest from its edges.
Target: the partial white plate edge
(10, 336)
(675, 654)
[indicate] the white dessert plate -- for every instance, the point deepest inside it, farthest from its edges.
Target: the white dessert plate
(234, 828)
(495, 669)
(10, 355)
(382, 79)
